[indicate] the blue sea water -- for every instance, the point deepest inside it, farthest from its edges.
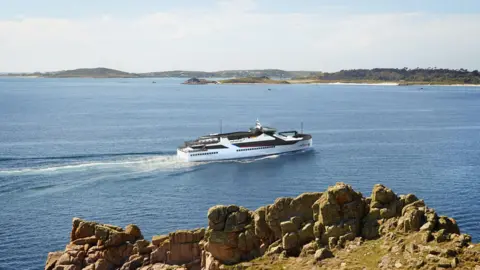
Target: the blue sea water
(104, 150)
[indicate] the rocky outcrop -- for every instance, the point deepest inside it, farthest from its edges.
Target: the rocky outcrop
(199, 81)
(383, 204)
(230, 237)
(326, 229)
(177, 248)
(96, 246)
(287, 219)
(339, 213)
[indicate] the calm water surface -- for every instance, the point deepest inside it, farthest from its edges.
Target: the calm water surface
(104, 150)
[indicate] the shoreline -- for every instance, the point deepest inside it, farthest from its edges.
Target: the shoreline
(358, 83)
(313, 82)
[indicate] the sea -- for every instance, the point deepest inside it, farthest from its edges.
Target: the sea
(105, 150)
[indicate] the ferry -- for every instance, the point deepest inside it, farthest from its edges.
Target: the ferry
(258, 141)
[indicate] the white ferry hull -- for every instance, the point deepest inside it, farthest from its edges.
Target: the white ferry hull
(234, 152)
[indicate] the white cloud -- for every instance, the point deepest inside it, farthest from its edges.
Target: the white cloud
(234, 35)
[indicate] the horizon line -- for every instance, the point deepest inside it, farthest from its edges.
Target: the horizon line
(249, 69)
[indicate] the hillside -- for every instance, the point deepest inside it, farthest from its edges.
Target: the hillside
(250, 80)
(402, 76)
(112, 73)
(405, 75)
(178, 74)
(278, 73)
(89, 73)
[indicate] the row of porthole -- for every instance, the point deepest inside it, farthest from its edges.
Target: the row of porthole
(202, 154)
(255, 148)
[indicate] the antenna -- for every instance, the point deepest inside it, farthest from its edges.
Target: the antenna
(301, 127)
(220, 126)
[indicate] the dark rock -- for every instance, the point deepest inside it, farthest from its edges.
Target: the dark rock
(290, 241)
(133, 263)
(309, 249)
(82, 229)
(134, 231)
(285, 208)
(413, 217)
(341, 210)
(297, 221)
(382, 194)
(448, 224)
(261, 228)
(322, 254)
(306, 234)
(199, 81)
(288, 227)
(427, 237)
(237, 220)
(441, 236)
(216, 217)
(52, 259)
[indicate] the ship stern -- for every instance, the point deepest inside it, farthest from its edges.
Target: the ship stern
(182, 154)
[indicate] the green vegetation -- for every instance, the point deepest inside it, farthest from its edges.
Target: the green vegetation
(263, 79)
(80, 73)
(111, 73)
(178, 74)
(403, 76)
(90, 73)
(272, 73)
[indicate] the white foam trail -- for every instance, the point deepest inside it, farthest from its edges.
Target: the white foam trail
(164, 162)
(146, 164)
(136, 164)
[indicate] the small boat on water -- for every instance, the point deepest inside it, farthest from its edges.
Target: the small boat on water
(258, 141)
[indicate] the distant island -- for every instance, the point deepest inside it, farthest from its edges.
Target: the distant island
(245, 80)
(112, 73)
(80, 73)
(199, 81)
(272, 73)
(253, 80)
(404, 76)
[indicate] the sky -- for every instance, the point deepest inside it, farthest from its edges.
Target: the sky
(210, 35)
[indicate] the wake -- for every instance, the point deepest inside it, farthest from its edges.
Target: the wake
(85, 156)
(135, 162)
(125, 162)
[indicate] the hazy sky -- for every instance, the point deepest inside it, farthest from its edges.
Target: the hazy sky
(156, 35)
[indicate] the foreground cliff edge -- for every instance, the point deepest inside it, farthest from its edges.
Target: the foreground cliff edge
(336, 229)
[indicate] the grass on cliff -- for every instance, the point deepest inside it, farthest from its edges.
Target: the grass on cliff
(366, 256)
